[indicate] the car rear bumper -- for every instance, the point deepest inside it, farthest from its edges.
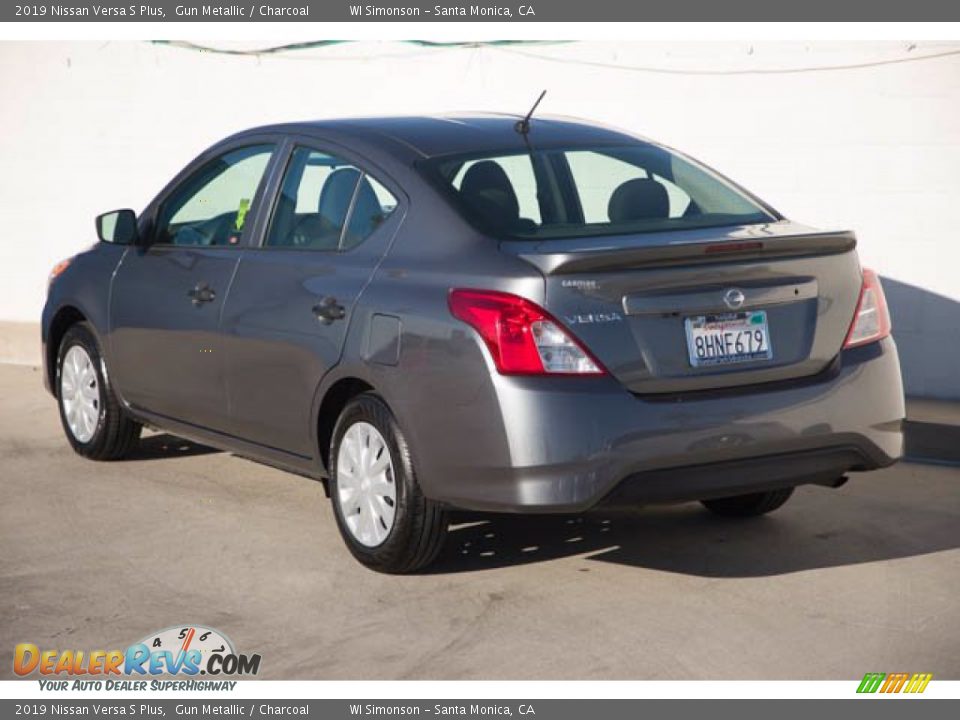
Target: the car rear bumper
(568, 444)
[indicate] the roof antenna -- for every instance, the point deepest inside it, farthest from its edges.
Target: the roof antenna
(523, 126)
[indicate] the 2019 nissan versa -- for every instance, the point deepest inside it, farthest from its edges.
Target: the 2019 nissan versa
(470, 312)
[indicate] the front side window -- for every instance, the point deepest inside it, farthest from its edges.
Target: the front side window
(590, 191)
(210, 208)
(326, 203)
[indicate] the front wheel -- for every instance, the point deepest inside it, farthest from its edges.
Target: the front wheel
(385, 520)
(749, 505)
(94, 421)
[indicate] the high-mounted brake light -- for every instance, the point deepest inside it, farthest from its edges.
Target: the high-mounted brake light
(871, 321)
(523, 338)
(733, 247)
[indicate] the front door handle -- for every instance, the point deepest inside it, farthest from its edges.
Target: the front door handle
(202, 293)
(329, 310)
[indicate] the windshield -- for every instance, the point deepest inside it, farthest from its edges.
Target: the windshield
(578, 192)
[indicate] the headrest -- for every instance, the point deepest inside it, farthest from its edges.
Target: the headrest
(487, 189)
(336, 194)
(639, 199)
(367, 214)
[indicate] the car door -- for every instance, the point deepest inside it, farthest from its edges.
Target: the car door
(168, 292)
(292, 299)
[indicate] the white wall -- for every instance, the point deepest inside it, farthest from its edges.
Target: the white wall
(86, 127)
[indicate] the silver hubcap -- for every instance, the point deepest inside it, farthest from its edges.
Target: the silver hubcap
(80, 393)
(366, 489)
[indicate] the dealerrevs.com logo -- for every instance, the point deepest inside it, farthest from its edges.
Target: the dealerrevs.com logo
(182, 650)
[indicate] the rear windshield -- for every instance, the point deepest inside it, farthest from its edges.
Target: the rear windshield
(581, 192)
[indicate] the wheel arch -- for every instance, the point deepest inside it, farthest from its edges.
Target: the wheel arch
(66, 317)
(334, 400)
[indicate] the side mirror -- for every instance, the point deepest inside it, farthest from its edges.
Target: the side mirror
(118, 227)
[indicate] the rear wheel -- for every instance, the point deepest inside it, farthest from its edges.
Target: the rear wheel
(93, 420)
(385, 520)
(749, 505)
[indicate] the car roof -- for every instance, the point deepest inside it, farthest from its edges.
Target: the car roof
(437, 135)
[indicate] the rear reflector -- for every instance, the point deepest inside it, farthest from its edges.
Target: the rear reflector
(871, 321)
(523, 338)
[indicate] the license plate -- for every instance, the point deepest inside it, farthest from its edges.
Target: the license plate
(728, 338)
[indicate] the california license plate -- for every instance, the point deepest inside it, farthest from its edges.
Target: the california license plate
(728, 338)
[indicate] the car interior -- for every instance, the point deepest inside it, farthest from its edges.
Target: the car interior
(487, 191)
(347, 208)
(583, 192)
(324, 204)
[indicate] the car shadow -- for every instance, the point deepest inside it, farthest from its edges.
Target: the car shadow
(818, 528)
(164, 446)
(924, 326)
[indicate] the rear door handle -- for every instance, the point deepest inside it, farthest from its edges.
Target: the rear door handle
(202, 293)
(328, 310)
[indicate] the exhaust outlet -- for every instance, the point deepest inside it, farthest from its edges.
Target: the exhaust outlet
(834, 483)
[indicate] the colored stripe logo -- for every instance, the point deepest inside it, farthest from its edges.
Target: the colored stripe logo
(894, 683)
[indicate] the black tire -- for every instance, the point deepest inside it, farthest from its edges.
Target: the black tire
(749, 505)
(116, 434)
(420, 525)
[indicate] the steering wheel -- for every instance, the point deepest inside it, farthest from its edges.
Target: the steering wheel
(206, 233)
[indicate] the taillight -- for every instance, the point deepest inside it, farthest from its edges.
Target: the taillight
(871, 321)
(523, 338)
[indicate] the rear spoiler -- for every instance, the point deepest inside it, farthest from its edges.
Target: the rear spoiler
(559, 257)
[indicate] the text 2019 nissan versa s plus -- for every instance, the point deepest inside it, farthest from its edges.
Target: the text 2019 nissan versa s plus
(465, 312)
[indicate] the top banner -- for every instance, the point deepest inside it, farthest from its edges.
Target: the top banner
(531, 10)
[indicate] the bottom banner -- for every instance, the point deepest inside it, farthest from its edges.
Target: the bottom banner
(597, 709)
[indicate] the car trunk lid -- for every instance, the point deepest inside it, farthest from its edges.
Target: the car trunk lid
(643, 304)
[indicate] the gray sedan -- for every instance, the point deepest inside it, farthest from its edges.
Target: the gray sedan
(436, 313)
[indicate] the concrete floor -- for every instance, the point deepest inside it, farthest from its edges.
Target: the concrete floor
(837, 583)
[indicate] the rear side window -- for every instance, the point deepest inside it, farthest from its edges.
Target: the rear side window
(582, 192)
(326, 203)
